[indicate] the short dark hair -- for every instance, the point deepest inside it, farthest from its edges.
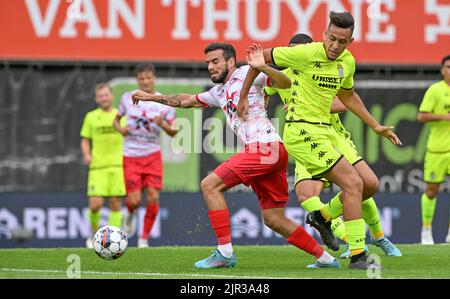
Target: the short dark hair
(300, 38)
(342, 20)
(444, 60)
(145, 67)
(228, 50)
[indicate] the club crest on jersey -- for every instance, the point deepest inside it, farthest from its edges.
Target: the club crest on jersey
(340, 70)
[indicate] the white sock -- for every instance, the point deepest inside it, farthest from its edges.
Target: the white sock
(226, 250)
(426, 228)
(326, 258)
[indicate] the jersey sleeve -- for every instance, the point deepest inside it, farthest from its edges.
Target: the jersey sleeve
(292, 56)
(349, 82)
(207, 98)
(429, 101)
(86, 130)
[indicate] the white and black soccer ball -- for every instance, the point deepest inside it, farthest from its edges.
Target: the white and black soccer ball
(110, 242)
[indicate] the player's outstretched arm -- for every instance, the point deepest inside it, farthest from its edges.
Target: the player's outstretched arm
(258, 58)
(182, 100)
(354, 103)
(255, 58)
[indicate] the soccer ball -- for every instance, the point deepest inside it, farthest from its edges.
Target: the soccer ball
(109, 242)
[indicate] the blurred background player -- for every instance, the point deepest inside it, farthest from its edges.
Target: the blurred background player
(435, 109)
(263, 162)
(308, 189)
(142, 161)
(101, 147)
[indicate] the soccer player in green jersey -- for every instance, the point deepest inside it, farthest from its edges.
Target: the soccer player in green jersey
(435, 109)
(325, 69)
(101, 147)
(308, 189)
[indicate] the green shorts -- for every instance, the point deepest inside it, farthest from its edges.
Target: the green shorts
(106, 182)
(312, 149)
(346, 147)
(436, 167)
(302, 174)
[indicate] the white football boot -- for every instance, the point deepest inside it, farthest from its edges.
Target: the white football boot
(142, 243)
(89, 243)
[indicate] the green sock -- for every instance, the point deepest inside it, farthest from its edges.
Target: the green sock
(370, 216)
(333, 209)
(94, 220)
(356, 234)
(337, 225)
(428, 207)
(115, 218)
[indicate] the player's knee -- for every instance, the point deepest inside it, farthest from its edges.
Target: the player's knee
(371, 187)
(431, 192)
(354, 184)
(152, 196)
(271, 220)
(134, 201)
(208, 186)
(115, 205)
(304, 194)
(95, 207)
(305, 191)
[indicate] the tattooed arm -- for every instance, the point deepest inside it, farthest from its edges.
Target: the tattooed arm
(181, 100)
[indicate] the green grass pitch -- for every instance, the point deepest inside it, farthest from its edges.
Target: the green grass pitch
(254, 262)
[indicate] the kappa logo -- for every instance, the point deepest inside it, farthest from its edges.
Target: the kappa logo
(317, 65)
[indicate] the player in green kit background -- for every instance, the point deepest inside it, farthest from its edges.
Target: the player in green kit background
(308, 189)
(101, 146)
(325, 69)
(435, 109)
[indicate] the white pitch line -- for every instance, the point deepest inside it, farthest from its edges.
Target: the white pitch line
(143, 274)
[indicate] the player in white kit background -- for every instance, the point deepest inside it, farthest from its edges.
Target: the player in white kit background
(142, 162)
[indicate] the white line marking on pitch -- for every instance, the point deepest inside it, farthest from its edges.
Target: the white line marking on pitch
(144, 274)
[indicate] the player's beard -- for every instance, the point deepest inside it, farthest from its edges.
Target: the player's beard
(222, 76)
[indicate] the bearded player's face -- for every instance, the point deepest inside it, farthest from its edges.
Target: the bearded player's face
(218, 66)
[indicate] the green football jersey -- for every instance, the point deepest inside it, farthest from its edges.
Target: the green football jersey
(319, 79)
(287, 95)
(337, 125)
(106, 142)
(437, 101)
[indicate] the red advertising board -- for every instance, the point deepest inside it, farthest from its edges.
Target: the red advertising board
(386, 31)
